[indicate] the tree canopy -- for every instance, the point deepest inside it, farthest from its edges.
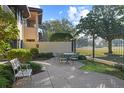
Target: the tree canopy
(8, 26)
(104, 21)
(55, 26)
(8, 29)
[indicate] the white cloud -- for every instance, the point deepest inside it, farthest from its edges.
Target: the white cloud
(72, 12)
(84, 13)
(60, 12)
(51, 19)
(75, 13)
(75, 22)
(34, 6)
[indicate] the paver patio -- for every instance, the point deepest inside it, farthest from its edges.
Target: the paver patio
(58, 75)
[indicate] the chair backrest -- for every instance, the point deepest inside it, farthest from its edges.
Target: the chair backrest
(15, 64)
(62, 55)
(18, 64)
(75, 55)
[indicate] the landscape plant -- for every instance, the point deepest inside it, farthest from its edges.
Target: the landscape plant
(46, 55)
(8, 30)
(36, 68)
(61, 37)
(6, 75)
(34, 52)
(23, 55)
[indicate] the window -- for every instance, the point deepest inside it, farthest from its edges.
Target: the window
(40, 36)
(30, 23)
(30, 40)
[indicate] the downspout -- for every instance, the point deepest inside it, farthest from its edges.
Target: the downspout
(37, 26)
(24, 20)
(29, 14)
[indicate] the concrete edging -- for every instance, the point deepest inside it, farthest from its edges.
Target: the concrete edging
(102, 61)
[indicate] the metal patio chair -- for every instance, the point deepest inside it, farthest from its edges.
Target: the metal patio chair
(62, 58)
(74, 58)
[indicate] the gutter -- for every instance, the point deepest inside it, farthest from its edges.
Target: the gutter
(29, 14)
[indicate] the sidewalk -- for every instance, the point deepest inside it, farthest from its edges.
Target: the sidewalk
(102, 61)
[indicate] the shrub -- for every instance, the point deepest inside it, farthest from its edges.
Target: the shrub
(22, 54)
(46, 55)
(120, 67)
(82, 57)
(3, 82)
(35, 67)
(6, 67)
(60, 36)
(6, 75)
(6, 71)
(1, 57)
(34, 52)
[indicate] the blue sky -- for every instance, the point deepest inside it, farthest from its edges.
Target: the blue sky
(70, 12)
(54, 12)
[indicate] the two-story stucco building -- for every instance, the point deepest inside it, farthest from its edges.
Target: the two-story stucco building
(28, 21)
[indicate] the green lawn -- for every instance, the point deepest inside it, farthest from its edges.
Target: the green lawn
(100, 53)
(102, 68)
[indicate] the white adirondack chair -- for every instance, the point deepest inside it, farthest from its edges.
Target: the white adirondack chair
(18, 71)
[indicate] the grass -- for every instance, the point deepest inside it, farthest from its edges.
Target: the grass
(100, 53)
(102, 68)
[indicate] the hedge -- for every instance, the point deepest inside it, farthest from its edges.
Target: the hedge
(35, 67)
(46, 55)
(34, 52)
(22, 54)
(61, 37)
(82, 57)
(6, 75)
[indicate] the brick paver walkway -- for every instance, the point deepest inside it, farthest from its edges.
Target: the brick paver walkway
(68, 76)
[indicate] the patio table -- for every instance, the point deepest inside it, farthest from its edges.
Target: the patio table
(68, 55)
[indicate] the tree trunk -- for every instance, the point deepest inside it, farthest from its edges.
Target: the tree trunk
(110, 46)
(93, 46)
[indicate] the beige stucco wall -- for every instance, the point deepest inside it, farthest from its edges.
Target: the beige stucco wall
(30, 33)
(55, 47)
